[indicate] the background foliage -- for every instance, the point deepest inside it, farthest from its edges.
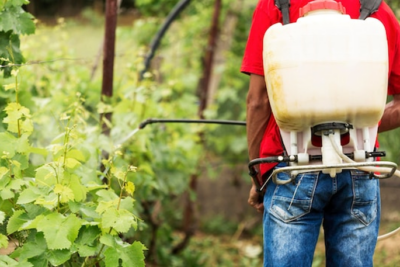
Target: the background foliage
(51, 172)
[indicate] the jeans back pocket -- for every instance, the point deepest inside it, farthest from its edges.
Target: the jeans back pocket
(291, 201)
(365, 201)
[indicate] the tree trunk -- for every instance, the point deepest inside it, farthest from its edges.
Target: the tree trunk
(208, 59)
(223, 45)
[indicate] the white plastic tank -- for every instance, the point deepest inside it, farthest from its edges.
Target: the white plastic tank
(326, 67)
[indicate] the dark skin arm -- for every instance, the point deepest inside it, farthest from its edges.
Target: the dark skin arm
(258, 113)
(391, 116)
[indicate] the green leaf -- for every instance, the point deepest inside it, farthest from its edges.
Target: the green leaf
(107, 195)
(32, 248)
(87, 235)
(20, 162)
(22, 144)
(64, 192)
(16, 2)
(94, 186)
(106, 205)
(108, 240)
(15, 221)
(59, 231)
(127, 204)
(48, 201)
(18, 118)
(120, 220)
(120, 175)
(7, 144)
(2, 217)
(87, 209)
(85, 243)
(7, 261)
(6, 193)
(39, 151)
(15, 19)
(32, 224)
(76, 154)
(58, 257)
(46, 175)
(3, 171)
(111, 257)
(28, 195)
(16, 184)
(133, 255)
(3, 241)
(107, 200)
(77, 188)
(71, 163)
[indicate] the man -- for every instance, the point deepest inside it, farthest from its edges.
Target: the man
(315, 198)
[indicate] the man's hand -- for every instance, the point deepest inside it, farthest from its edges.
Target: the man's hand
(391, 116)
(254, 200)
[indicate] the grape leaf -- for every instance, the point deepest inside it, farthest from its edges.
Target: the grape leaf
(76, 154)
(33, 248)
(15, 19)
(7, 144)
(105, 205)
(7, 261)
(120, 220)
(48, 201)
(16, 3)
(3, 241)
(28, 195)
(64, 192)
(15, 221)
(58, 257)
(133, 255)
(3, 170)
(18, 118)
(45, 175)
(22, 144)
(6, 193)
(2, 217)
(111, 257)
(85, 242)
(59, 231)
(130, 254)
(77, 188)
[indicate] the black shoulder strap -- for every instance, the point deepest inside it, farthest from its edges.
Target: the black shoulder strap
(283, 6)
(368, 7)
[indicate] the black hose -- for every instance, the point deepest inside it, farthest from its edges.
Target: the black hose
(226, 122)
(181, 5)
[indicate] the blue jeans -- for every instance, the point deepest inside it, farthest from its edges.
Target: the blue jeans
(348, 207)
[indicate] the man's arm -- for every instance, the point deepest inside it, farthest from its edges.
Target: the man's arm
(258, 113)
(391, 116)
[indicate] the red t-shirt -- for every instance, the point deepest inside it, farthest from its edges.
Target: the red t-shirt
(267, 14)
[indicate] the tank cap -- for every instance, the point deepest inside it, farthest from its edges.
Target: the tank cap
(322, 4)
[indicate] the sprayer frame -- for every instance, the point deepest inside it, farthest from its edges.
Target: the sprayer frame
(294, 170)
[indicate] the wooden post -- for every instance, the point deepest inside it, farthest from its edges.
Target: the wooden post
(108, 59)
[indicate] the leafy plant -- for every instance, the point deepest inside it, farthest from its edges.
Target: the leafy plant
(53, 206)
(14, 21)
